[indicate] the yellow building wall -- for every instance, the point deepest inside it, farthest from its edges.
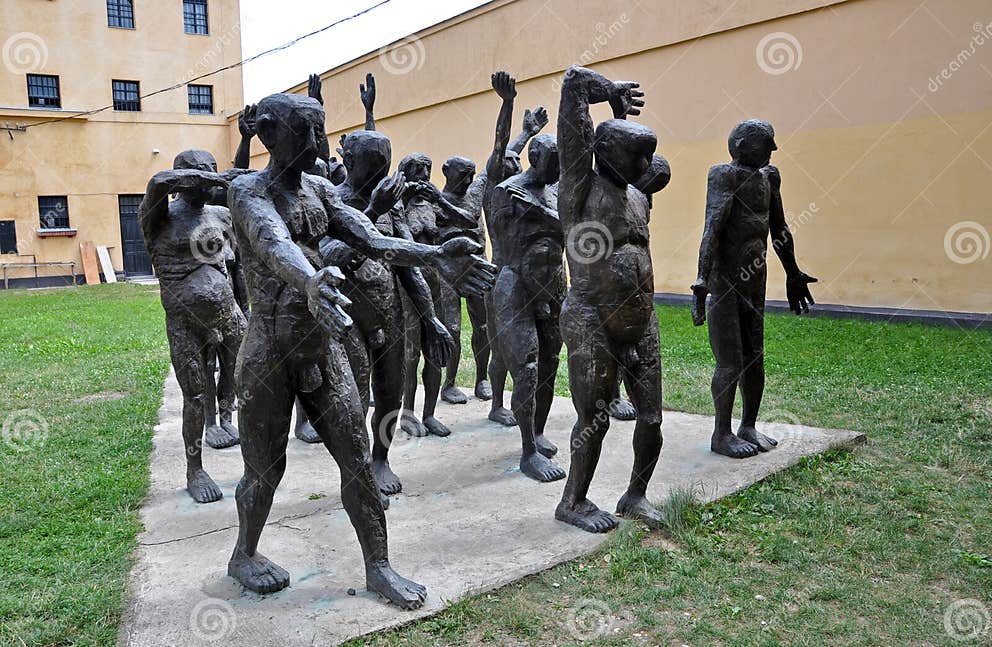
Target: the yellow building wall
(95, 158)
(883, 110)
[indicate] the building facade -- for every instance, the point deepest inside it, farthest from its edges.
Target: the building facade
(883, 110)
(68, 178)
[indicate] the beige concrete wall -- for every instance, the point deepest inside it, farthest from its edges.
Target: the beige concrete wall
(882, 158)
(94, 159)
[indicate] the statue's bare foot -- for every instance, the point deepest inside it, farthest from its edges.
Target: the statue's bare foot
(453, 395)
(257, 573)
(435, 427)
(587, 516)
(306, 433)
(540, 468)
(389, 483)
(483, 390)
(621, 409)
(221, 436)
(411, 425)
(404, 593)
(202, 488)
(545, 446)
(762, 442)
(732, 446)
(640, 508)
(503, 416)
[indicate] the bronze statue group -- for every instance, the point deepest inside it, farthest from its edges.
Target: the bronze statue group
(318, 284)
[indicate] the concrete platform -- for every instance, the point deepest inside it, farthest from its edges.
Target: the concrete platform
(467, 522)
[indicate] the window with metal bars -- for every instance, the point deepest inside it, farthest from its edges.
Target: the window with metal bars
(201, 99)
(43, 91)
(53, 211)
(195, 17)
(127, 96)
(120, 13)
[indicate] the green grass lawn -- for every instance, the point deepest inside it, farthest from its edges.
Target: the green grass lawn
(855, 548)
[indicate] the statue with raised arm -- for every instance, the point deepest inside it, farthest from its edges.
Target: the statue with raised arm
(743, 204)
(608, 320)
(468, 191)
(283, 217)
(188, 243)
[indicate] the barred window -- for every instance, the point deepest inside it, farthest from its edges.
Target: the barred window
(201, 99)
(120, 13)
(195, 16)
(53, 211)
(43, 91)
(127, 97)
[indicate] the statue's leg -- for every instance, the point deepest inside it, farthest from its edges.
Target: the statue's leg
(266, 404)
(520, 348)
(189, 346)
(549, 349)
(227, 355)
(497, 369)
(431, 376)
(342, 427)
(210, 397)
(480, 345)
(450, 313)
(753, 377)
(643, 382)
(723, 319)
(411, 336)
(388, 379)
(592, 373)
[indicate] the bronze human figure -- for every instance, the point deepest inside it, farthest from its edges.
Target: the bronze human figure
(293, 347)
(743, 204)
(608, 320)
(187, 244)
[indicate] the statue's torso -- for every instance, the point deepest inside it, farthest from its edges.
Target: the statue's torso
(742, 246)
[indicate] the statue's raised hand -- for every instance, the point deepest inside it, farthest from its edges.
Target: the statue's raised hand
(246, 121)
(388, 192)
(436, 342)
(367, 92)
(315, 88)
(625, 99)
(534, 122)
(178, 180)
(326, 303)
(504, 84)
(797, 291)
(461, 266)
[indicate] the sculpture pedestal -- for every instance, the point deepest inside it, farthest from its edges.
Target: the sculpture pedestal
(466, 522)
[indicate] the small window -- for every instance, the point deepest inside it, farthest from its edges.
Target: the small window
(128, 205)
(195, 16)
(201, 99)
(53, 211)
(127, 97)
(8, 237)
(43, 91)
(120, 13)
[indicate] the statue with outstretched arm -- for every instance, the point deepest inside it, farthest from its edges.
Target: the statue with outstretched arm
(743, 205)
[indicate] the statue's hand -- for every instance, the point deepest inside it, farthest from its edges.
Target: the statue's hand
(436, 341)
(388, 192)
(625, 99)
(315, 88)
(326, 303)
(534, 122)
(246, 121)
(797, 291)
(461, 266)
(505, 85)
(428, 191)
(699, 292)
(367, 92)
(185, 179)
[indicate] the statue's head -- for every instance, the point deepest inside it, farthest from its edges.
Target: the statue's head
(367, 155)
(459, 172)
(416, 167)
(199, 160)
(511, 163)
(291, 127)
(624, 150)
(656, 178)
(751, 143)
(542, 153)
